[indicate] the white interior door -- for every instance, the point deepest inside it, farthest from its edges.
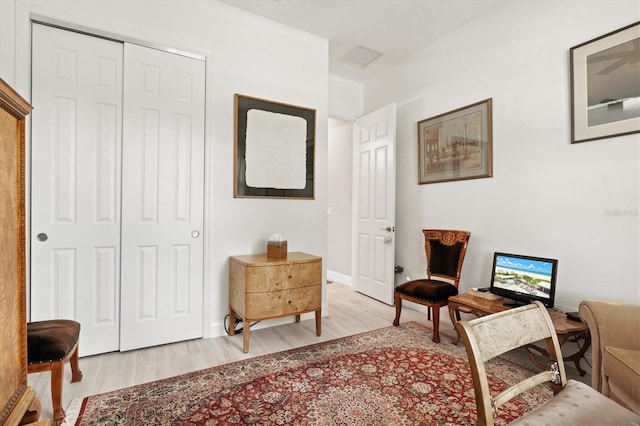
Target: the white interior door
(374, 205)
(75, 193)
(162, 198)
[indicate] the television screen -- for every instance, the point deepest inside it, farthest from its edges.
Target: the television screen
(524, 279)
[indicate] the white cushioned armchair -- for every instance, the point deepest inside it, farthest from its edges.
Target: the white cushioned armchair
(615, 338)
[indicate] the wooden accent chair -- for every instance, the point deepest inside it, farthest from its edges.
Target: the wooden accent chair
(574, 402)
(445, 250)
(50, 344)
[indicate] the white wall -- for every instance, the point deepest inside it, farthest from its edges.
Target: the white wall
(345, 106)
(547, 197)
(245, 54)
(339, 199)
(345, 98)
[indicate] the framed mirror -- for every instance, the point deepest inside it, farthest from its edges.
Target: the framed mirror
(274, 149)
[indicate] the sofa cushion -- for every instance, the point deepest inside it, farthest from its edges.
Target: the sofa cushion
(621, 367)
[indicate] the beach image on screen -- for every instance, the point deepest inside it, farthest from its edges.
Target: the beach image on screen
(527, 276)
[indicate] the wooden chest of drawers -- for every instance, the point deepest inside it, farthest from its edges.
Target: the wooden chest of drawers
(262, 288)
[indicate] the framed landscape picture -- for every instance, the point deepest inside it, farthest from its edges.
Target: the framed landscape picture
(605, 85)
(456, 145)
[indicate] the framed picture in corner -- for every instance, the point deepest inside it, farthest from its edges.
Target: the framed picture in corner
(605, 85)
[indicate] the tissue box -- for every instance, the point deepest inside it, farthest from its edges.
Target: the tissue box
(276, 249)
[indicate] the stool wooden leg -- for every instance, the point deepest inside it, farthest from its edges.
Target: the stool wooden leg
(57, 373)
(76, 374)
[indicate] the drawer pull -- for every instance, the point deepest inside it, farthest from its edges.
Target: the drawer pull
(290, 276)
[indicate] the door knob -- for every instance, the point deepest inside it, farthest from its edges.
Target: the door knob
(42, 237)
(195, 234)
(388, 229)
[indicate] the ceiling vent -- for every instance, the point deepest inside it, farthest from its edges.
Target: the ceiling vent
(360, 57)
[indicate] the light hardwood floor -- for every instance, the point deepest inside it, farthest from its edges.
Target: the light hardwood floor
(349, 313)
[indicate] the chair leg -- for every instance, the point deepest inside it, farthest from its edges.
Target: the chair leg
(428, 313)
(436, 324)
(57, 373)
(398, 303)
(76, 374)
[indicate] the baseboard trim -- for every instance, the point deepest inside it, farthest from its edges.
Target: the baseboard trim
(337, 276)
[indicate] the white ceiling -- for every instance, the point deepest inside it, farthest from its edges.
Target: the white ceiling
(396, 28)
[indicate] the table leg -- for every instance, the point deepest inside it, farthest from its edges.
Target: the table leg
(575, 358)
(232, 322)
(318, 322)
(454, 314)
(246, 331)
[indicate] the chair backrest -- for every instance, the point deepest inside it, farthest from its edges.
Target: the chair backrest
(445, 249)
(491, 335)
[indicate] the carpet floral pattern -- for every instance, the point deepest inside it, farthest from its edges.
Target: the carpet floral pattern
(391, 376)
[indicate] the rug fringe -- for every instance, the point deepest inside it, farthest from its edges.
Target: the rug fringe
(72, 411)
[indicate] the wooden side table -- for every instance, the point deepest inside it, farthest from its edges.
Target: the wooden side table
(567, 330)
(263, 288)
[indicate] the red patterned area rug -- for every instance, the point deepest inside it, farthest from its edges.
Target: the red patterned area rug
(391, 376)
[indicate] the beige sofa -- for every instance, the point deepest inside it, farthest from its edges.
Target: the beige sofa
(615, 339)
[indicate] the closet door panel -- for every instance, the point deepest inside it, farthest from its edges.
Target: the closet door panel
(163, 187)
(75, 175)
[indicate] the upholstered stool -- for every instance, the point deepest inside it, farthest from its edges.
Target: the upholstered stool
(49, 345)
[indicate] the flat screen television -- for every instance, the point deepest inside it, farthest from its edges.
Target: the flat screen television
(524, 279)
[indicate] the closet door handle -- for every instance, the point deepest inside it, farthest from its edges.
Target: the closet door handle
(42, 237)
(195, 234)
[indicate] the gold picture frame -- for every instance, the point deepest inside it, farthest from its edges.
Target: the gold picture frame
(605, 85)
(456, 145)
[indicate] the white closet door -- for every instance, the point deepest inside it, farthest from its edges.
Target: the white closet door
(137, 281)
(75, 194)
(162, 198)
